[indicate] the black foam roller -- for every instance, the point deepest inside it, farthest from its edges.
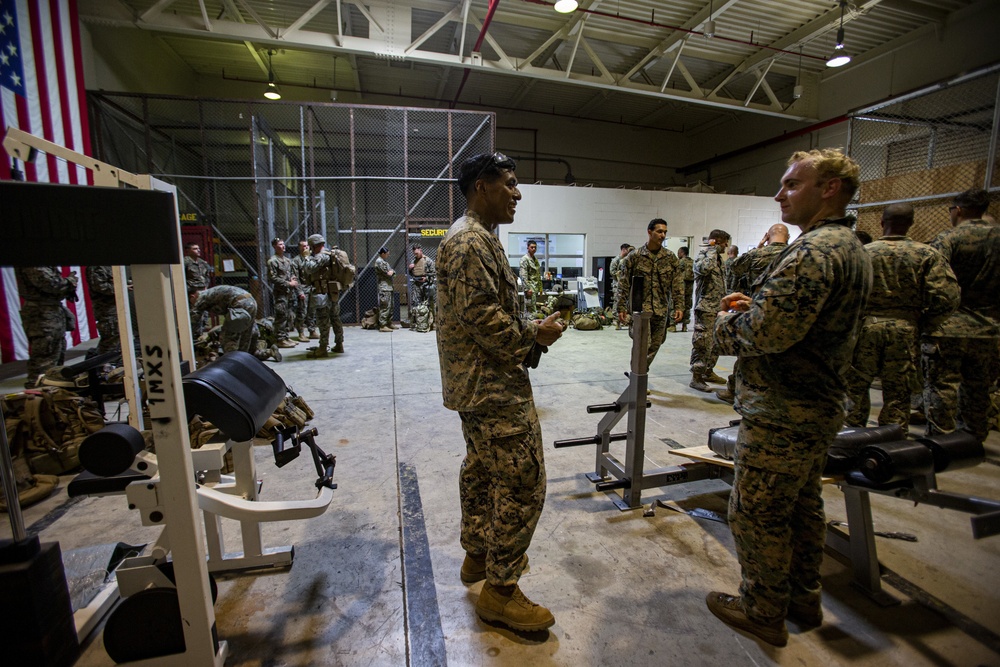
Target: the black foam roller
(891, 461)
(959, 449)
(111, 450)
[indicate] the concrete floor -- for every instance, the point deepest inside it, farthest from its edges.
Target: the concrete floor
(368, 588)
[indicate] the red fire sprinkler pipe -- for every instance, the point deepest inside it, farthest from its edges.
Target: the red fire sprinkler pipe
(479, 42)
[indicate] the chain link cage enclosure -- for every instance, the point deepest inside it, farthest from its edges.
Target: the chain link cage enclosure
(363, 176)
(924, 148)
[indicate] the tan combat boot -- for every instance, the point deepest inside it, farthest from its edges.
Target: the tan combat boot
(286, 343)
(727, 608)
(339, 347)
(509, 606)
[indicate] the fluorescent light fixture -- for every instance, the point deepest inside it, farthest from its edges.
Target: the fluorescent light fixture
(565, 6)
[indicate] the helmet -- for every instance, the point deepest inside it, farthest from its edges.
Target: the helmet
(316, 239)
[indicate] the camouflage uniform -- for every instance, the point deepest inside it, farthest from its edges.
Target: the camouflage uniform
(305, 312)
(196, 276)
(43, 317)
(325, 297)
(239, 308)
(687, 269)
(613, 268)
(664, 282)
(961, 357)
(531, 278)
(711, 288)
(747, 272)
(793, 344)
(727, 274)
(382, 271)
(280, 273)
(102, 297)
(751, 265)
(482, 343)
(424, 275)
(913, 289)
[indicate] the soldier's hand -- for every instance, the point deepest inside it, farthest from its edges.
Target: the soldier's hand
(549, 330)
(623, 317)
(293, 283)
(735, 303)
(678, 316)
(73, 278)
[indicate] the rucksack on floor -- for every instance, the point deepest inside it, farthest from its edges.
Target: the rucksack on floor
(46, 425)
(370, 319)
(422, 318)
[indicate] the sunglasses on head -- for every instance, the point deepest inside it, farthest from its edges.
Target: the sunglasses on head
(498, 160)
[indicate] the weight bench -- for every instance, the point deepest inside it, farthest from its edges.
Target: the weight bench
(899, 468)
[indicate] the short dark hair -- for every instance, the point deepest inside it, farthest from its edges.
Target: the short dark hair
(191, 244)
(625, 245)
(274, 241)
(719, 235)
(416, 246)
(863, 236)
(489, 165)
(383, 250)
(532, 242)
(654, 222)
(685, 249)
(974, 200)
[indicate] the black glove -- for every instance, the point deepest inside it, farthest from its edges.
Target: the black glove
(534, 355)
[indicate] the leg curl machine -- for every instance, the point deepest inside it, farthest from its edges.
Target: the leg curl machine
(237, 393)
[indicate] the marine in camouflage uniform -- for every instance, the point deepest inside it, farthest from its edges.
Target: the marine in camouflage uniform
(794, 341)
(238, 307)
(43, 316)
(732, 254)
(913, 289)
(305, 312)
(482, 345)
(531, 277)
(961, 358)
(384, 273)
(325, 296)
(285, 288)
(664, 284)
(708, 269)
(423, 275)
(102, 296)
(197, 273)
(687, 270)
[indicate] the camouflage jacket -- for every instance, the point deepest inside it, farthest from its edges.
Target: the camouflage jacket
(318, 273)
(687, 269)
(910, 281)
(798, 336)
(383, 271)
(751, 265)
(616, 263)
(711, 285)
(101, 284)
(727, 274)
(298, 264)
(196, 272)
(973, 250)
(531, 274)
(44, 285)
(664, 280)
(481, 339)
(424, 268)
(280, 272)
(219, 299)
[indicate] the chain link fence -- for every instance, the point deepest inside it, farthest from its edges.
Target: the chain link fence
(925, 147)
(363, 176)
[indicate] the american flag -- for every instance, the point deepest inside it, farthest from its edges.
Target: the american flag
(42, 93)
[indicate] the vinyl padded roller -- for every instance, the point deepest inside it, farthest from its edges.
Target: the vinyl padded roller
(891, 461)
(111, 450)
(951, 451)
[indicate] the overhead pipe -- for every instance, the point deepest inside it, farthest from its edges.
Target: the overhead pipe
(475, 49)
(705, 164)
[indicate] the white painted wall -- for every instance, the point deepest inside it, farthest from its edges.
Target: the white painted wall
(610, 217)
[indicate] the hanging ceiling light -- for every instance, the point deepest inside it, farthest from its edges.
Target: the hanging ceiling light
(840, 56)
(565, 6)
(709, 28)
(271, 92)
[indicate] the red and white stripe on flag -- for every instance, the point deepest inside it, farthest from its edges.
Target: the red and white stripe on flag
(42, 93)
